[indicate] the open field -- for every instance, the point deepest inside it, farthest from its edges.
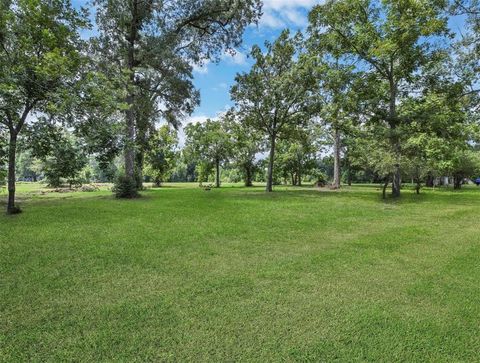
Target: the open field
(235, 274)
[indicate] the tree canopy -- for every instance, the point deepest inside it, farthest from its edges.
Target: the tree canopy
(40, 59)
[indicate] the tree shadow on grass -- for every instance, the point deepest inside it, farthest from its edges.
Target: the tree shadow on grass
(367, 193)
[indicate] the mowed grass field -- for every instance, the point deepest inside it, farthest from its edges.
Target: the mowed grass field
(234, 274)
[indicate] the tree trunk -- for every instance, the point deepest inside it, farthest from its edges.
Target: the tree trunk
(217, 174)
(396, 182)
(430, 182)
(140, 158)
(385, 185)
(294, 182)
(336, 159)
(397, 176)
(130, 99)
(130, 139)
(457, 182)
(299, 178)
(12, 150)
(248, 177)
(269, 187)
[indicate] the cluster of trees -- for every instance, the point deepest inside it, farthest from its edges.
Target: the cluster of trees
(385, 88)
(112, 89)
(388, 80)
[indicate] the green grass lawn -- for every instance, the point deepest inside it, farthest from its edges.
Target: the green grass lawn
(238, 275)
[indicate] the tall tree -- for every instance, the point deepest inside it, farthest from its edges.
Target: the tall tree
(394, 40)
(210, 144)
(464, 164)
(97, 114)
(28, 167)
(162, 153)
(276, 93)
(165, 95)
(246, 144)
(39, 62)
(439, 129)
(297, 155)
(467, 60)
(63, 155)
(155, 42)
(337, 95)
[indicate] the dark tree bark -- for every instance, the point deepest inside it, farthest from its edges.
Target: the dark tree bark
(385, 186)
(418, 185)
(248, 176)
(299, 178)
(140, 161)
(14, 130)
(396, 182)
(12, 150)
(457, 182)
(269, 187)
(130, 141)
(336, 159)
(217, 174)
(430, 182)
(294, 181)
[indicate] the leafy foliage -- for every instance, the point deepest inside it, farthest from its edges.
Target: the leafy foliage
(209, 144)
(275, 96)
(40, 59)
(62, 155)
(162, 154)
(246, 143)
(297, 155)
(395, 43)
(153, 45)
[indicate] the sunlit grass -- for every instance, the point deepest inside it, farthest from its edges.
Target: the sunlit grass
(234, 274)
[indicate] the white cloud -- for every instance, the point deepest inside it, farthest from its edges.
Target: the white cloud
(281, 13)
(201, 69)
(296, 18)
(221, 87)
(199, 119)
(271, 20)
(238, 58)
(196, 119)
(288, 4)
(203, 118)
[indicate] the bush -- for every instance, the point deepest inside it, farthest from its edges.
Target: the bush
(321, 180)
(125, 187)
(3, 177)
